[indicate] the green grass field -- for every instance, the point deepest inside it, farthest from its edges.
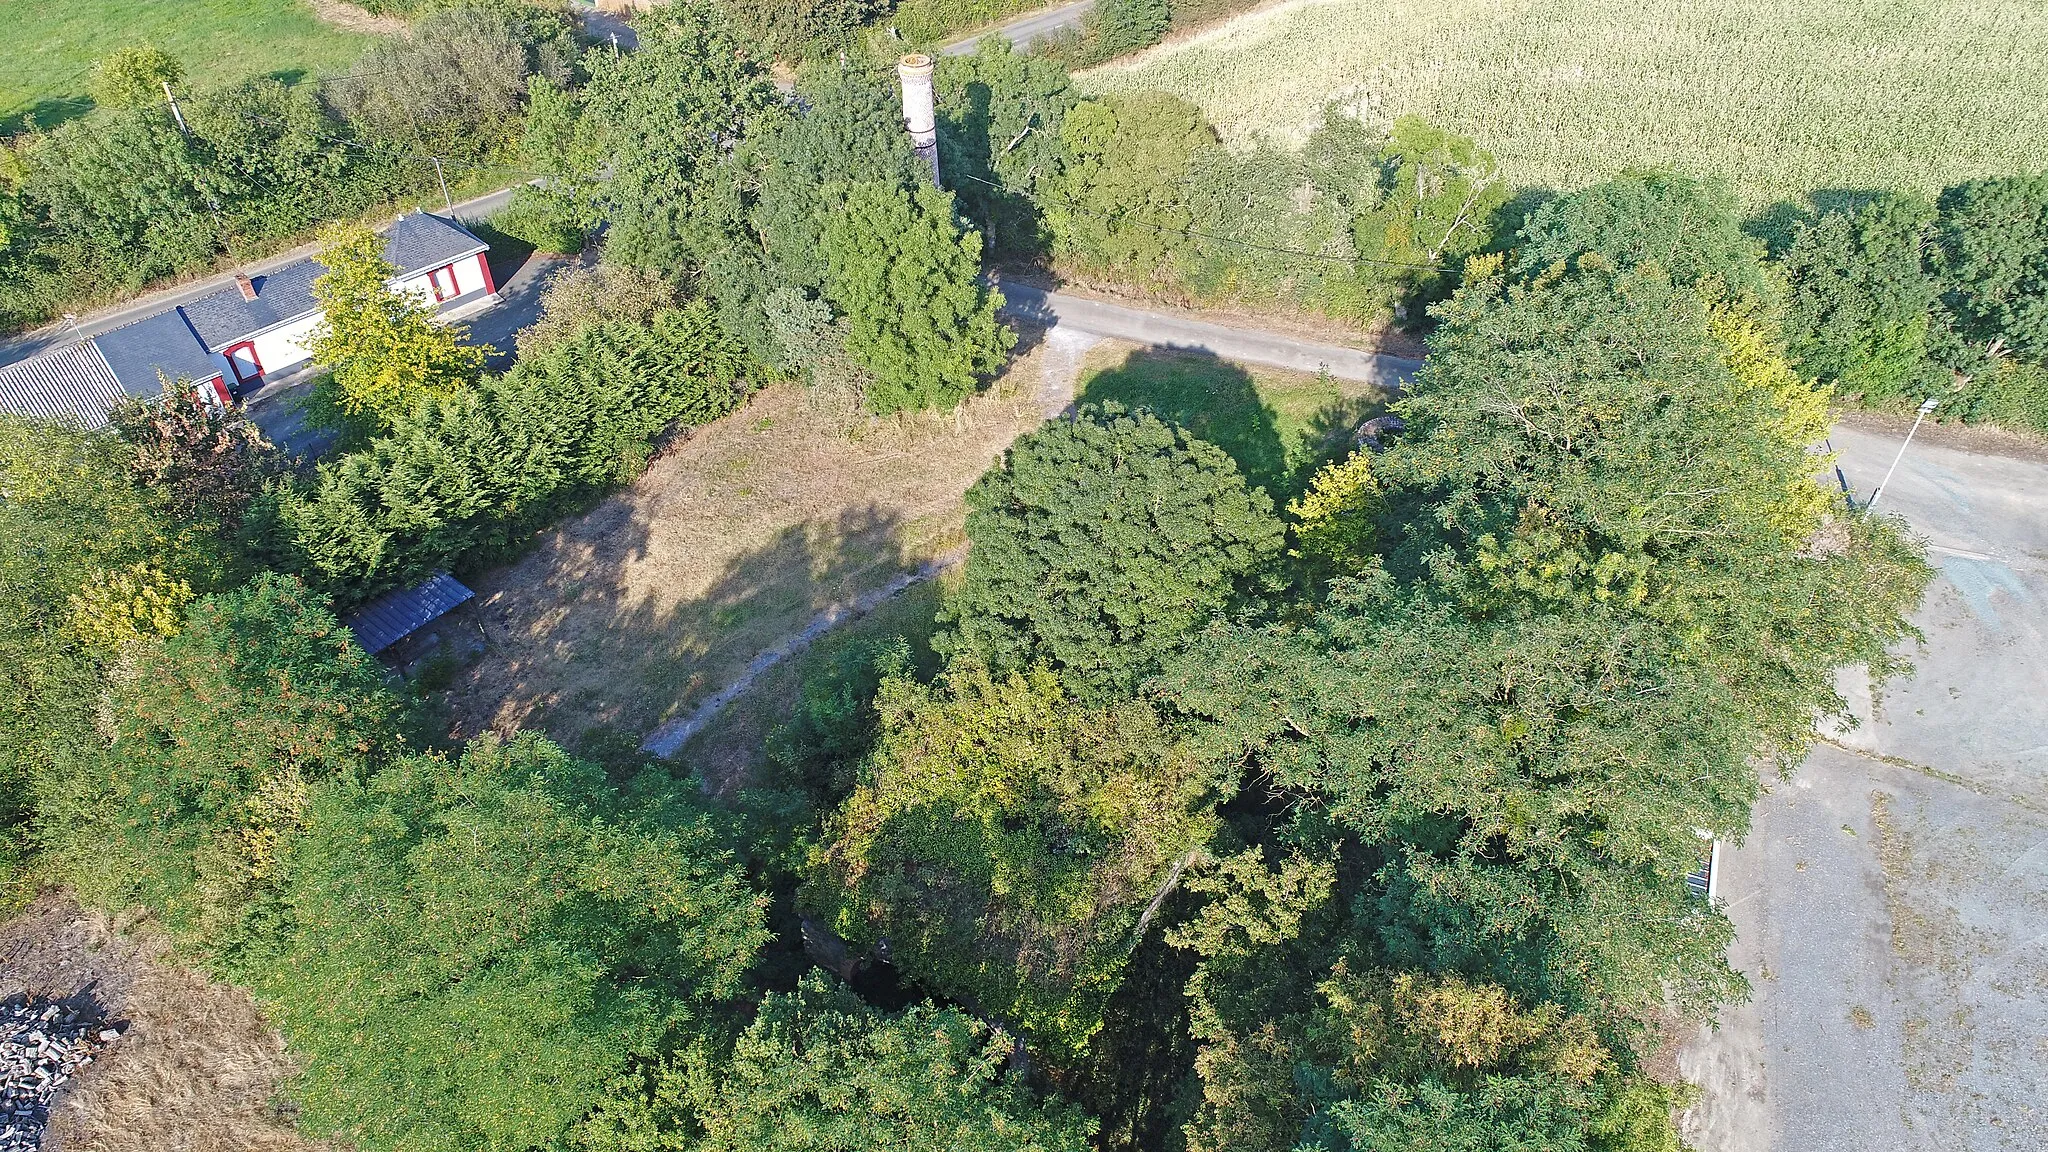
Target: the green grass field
(1780, 98)
(50, 46)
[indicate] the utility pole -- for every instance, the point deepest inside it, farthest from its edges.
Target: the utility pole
(177, 115)
(446, 201)
(1926, 407)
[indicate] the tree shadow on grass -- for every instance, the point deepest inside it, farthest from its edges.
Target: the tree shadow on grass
(1210, 397)
(575, 647)
(1220, 402)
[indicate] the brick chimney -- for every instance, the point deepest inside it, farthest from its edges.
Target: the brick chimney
(247, 285)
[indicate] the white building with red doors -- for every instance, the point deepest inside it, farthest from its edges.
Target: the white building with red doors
(232, 340)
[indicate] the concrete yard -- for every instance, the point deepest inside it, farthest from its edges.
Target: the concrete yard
(1891, 903)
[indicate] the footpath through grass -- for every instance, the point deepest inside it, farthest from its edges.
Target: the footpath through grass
(1781, 99)
(50, 46)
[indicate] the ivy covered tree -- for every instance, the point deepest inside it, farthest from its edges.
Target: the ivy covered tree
(1101, 544)
(387, 354)
(1121, 205)
(477, 946)
(1004, 840)
(819, 1071)
(905, 275)
(1990, 262)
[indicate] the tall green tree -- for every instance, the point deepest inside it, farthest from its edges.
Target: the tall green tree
(387, 353)
(477, 946)
(819, 1071)
(1000, 116)
(1990, 262)
(1860, 295)
(1618, 592)
(905, 275)
(1004, 840)
(1120, 204)
(1101, 544)
(1692, 229)
(666, 113)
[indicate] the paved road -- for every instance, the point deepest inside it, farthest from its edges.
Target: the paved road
(1891, 903)
(1031, 26)
(1168, 330)
(51, 335)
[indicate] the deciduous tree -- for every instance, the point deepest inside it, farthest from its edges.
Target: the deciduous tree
(387, 353)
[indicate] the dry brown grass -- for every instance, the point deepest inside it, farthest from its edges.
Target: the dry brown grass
(628, 615)
(350, 18)
(197, 1068)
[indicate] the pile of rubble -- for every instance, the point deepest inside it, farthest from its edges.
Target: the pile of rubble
(42, 1045)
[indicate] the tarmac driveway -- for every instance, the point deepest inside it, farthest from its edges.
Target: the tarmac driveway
(1891, 903)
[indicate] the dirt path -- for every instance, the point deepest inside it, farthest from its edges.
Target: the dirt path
(759, 532)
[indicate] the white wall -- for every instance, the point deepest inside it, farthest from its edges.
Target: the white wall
(283, 349)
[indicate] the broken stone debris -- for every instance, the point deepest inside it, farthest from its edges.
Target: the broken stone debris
(42, 1046)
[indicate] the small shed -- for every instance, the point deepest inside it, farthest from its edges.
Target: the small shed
(395, 615)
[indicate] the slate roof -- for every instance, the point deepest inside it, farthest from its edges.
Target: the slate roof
(395, 615)
(413, 244)
(73, 381)
(160, 343)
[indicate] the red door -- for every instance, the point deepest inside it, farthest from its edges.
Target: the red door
(247, 368)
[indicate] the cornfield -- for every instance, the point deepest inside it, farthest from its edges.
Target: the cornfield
(1782, 98)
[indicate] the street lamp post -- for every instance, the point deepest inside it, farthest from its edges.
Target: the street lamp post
(1926, 407)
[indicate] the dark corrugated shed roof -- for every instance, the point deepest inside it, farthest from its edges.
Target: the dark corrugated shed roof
(395, 615)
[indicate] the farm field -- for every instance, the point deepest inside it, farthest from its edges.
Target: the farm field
(51, 47)
(1780, 99)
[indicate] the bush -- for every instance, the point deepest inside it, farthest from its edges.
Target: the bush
(478, 946)
(470, 475)
(134, 76)
(549, 223)
(1100, 544)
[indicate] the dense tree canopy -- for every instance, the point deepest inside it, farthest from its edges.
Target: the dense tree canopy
(1692, 229)
(1857, 316)
(1103, 542)
(510, 930)
(1004, 838)
(819, 1071)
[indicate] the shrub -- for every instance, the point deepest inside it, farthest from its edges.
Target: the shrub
(134, 76)
(468, 476)
(1100, 544)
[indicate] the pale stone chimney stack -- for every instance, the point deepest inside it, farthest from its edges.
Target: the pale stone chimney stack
(915, 71)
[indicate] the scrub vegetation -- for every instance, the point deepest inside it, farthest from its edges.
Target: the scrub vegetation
(1842, 94)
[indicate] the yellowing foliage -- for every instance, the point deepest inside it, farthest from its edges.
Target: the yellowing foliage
(115, 607)
(1334, 519)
